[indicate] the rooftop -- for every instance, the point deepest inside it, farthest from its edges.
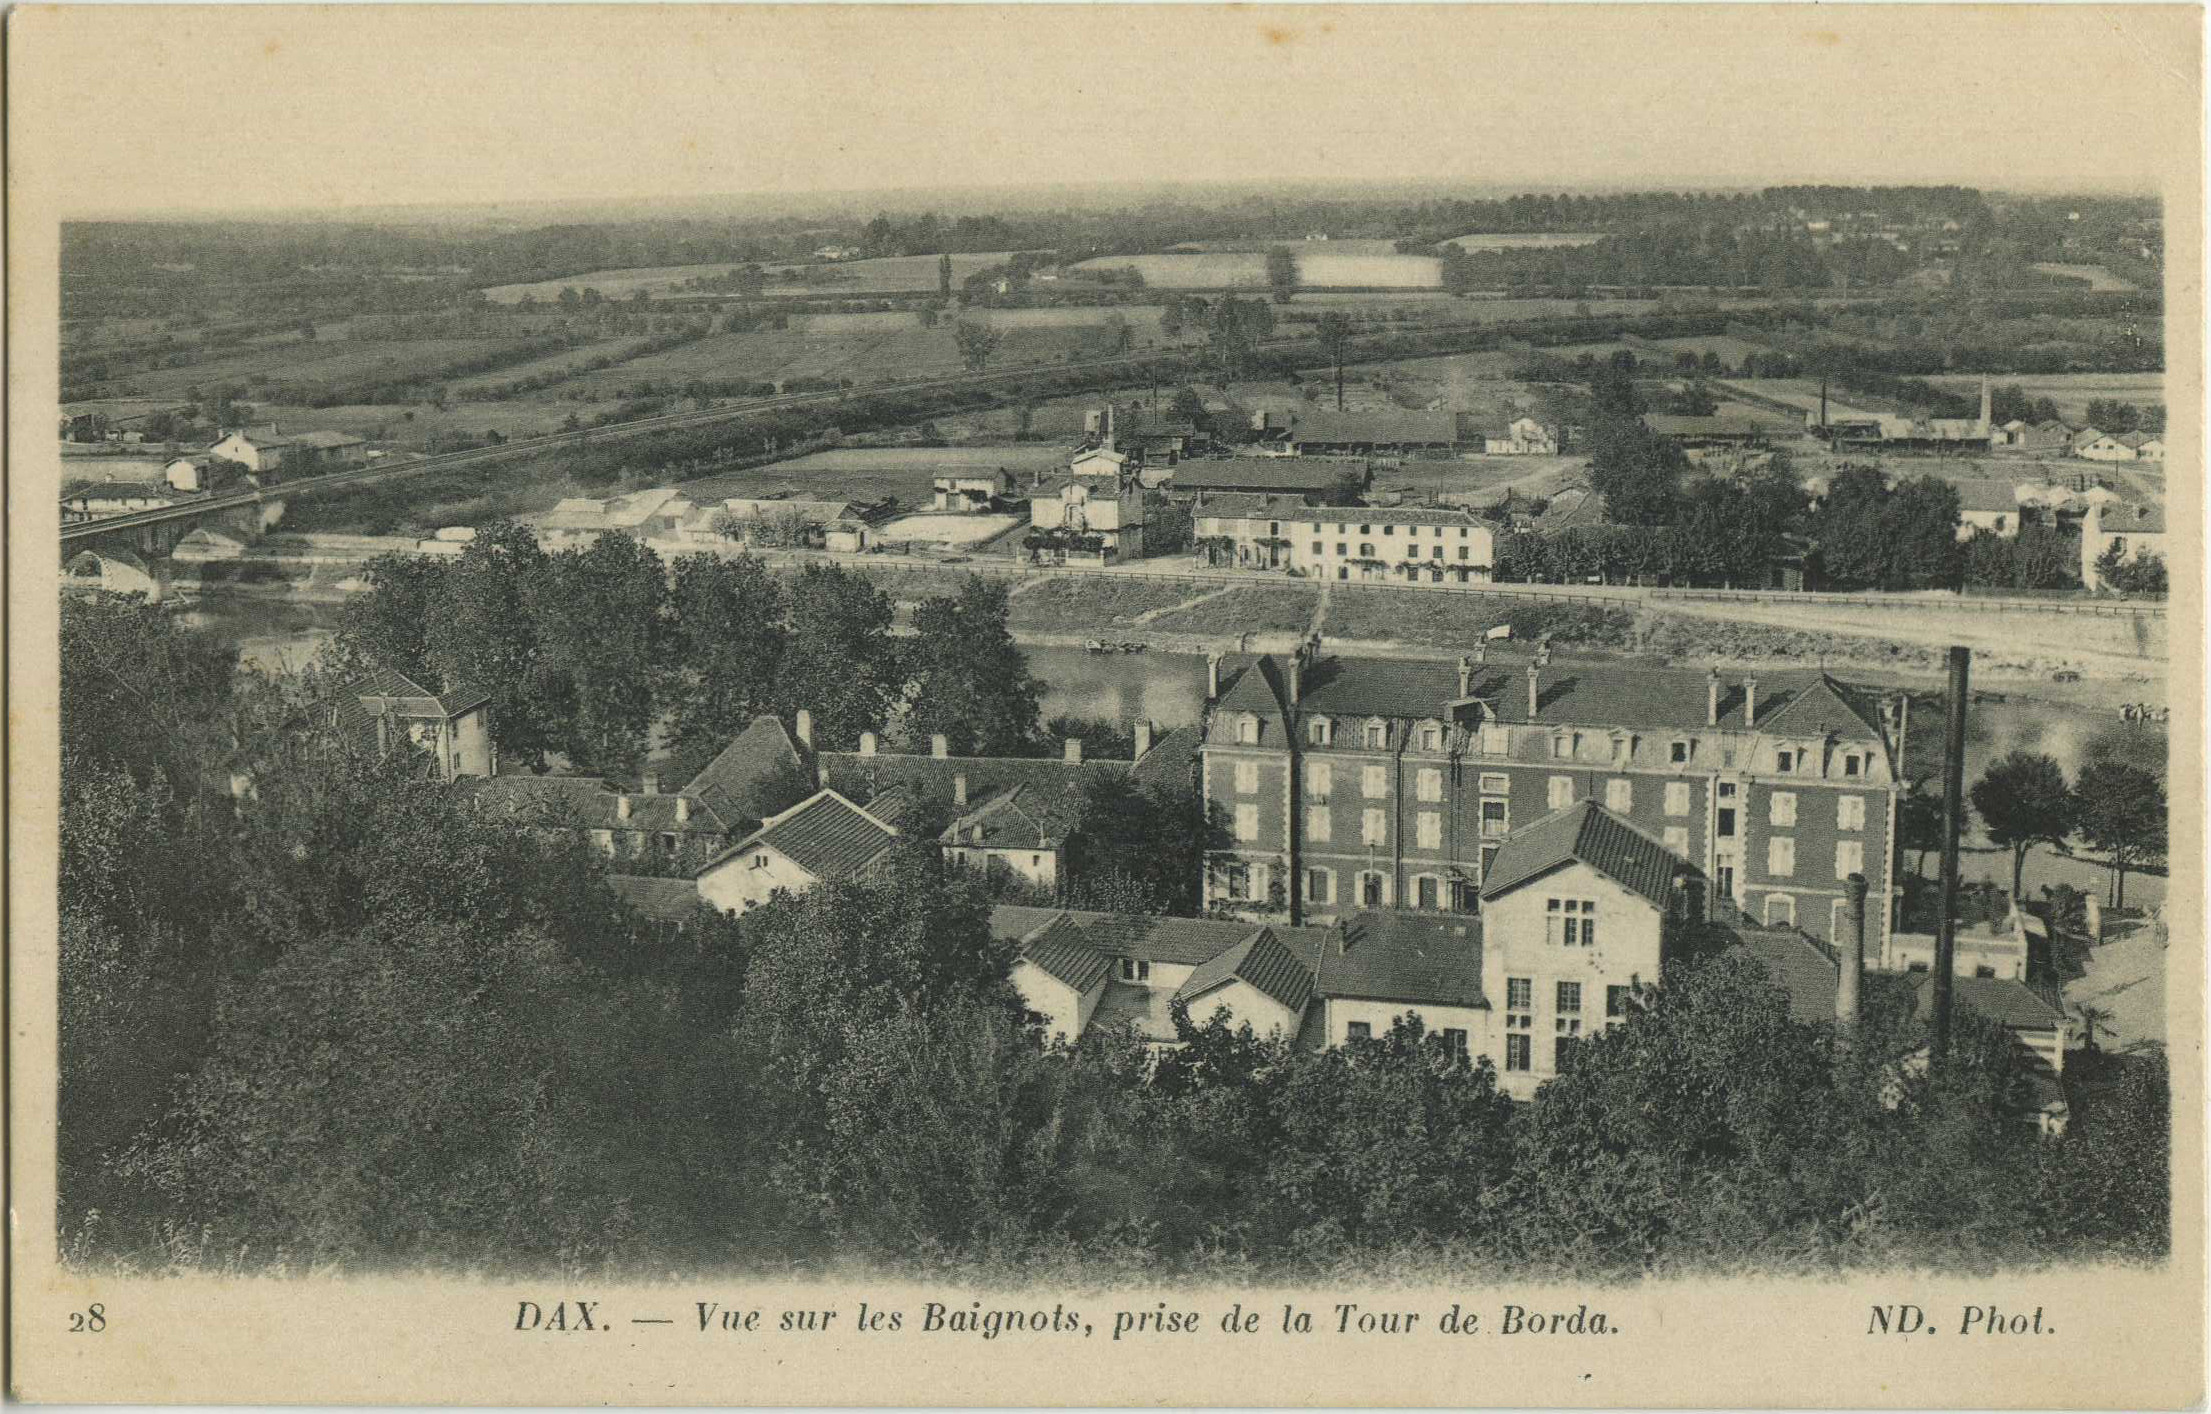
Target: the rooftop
(667, 900)
(591, 803)
(825, 834)
(1261, 962)
(1390, 426)
(760, 750)
(1403, 957)
(1299, 475)
(1586, 833)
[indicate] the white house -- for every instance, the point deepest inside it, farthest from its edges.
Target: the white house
(387, 711)
(971, 489)
(2095, 446)
(1524, 437)
(1061, 980)
(824, 838)
(2147, 446)
(2133, 530)
(259, 450)
(1097, 510)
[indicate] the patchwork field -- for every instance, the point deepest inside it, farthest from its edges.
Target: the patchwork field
(347, 361)
(892, 274)
(2072, 392)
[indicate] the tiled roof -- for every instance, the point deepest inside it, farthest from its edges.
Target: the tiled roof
(1247, 505)
(1005, 794)
(590, 803)
(2120, 518)
(1061, 953)
(2000, 999)
(1821, 705)
(755, 753)
(1171, 759)
(1015, 922)
(1403, 957)
(1576, 694)
(1575, 505)
(1587, 833)
(1982, 493)
(1260, 960)
(668, 900)
(1391, 426)
(744, 508)
(1256, 688)
(1799, 967)
(825, 834)
(1381, 515)
(1303, 475)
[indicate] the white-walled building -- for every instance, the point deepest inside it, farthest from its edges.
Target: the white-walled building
(2134, 531)
(822, 839)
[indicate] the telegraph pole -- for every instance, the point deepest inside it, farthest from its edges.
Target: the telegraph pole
(1953, 819)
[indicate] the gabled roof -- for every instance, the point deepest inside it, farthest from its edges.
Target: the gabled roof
(1256, 688)
(1170, 760)
(1800, 967)
(1383, 427)
(1260, 960)
(825, 834)
(668, 900)
(1822, 705)
(1294, 475)
(404, 697)
(1981, 493)
(1586, 833)
(1403, 957)
(755, 753)
(2121, 518)
(1247, 505)
(2000, 999)
(1019, 801)
(590, 803)
(1060, 951)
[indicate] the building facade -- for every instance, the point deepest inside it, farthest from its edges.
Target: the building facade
(1409, 544)
(1360, 784)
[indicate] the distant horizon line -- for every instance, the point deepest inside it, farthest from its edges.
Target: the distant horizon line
(832, 203)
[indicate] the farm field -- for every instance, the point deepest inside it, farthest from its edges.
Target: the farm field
(1480, 480)
(1731, 350)
(2072, 392)
(346, 361)
(888, 275)
(1075, 602)
(1351, 245)
(1249, 270)
(1537, 240)
(566, 359)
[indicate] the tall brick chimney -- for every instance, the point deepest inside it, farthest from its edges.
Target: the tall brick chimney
(1853, 950)
(1466, 676)
(867, 743)
(1750, 702)
(1212, 677)
(959, 789)
(1535, 689)
(1712, 698)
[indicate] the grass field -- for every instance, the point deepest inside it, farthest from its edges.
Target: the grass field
(565, 360)
(1732, 351)
(1461, 620)
(2072, 392)
(2097, 276)
(1082, 601)
(1270, 608)
(1540, 240)
(863, 347)
(892, 274)
(348, 361)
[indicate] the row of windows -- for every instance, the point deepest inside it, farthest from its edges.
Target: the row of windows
(1367, 551)
(1371, 889)
(1850, 857)
(1454, 1038)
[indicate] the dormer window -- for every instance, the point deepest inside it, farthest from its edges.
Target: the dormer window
(1678, 752)
(1853, 764)
(1431, 737)
(1784, 761)
(1562, 747)
(1320, 731)
(1247, 730)
(1377, 734)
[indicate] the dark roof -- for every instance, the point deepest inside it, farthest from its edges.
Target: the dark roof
(1264, 963)
(590, 803)
(1303, 475)
(1404, 957)
(755, 753)
(1248, 505)
(1800, 967)
(1016, 799)
(404, 697)
(1390, 426)
(1256, 687)
(1170, 760)
(1183, 942)
(2122, 518)
(1060, 951)
(1575, 505)
(1015, 922)
(1668, 425)
(825, 834)
(2000, 999)
(668, 900)
(1579, 694)
(1587, 833)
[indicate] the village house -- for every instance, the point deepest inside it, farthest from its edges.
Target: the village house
(576, 522)
(824, 839)
(1392, 433)
(776, 522)
(388, 711)
(2134, 531)
(1987, 504)
(1015, 817)
(327, 451)
(1359, 784)
(1408, 544)
(620, 822)
(201, 471)
(97, 499)
(263, 451)
(2095, 446)
(2047, 436)
(1095, 512)
(971, 490)
(2146, 446)
(1524, 437)
(1300, 477)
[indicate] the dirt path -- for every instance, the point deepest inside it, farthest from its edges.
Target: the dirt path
(1150, 614)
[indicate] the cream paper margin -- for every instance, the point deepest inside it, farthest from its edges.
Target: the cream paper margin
(2122, 1338)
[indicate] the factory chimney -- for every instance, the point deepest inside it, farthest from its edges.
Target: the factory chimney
(1853, 955)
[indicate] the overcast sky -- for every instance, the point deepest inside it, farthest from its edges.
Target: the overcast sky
(213, 111)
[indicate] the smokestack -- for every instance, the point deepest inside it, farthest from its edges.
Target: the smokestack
(1466, 676)
(940, 746)
(1071, 751)
(805, 729)
(1750, 702)
(1712, 698)
(1212, 677)
(1535, 685)
(1953, 820)
(1143, 739)
(959, 789)
(867, 743)
(1986, 405)
(1853, 954)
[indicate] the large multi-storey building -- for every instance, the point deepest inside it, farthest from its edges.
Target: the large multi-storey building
(1347, 784)
(1407, 544)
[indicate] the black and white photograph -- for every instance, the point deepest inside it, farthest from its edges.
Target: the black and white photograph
(1343, 694)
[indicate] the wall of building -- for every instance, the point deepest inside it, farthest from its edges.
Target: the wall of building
(1064, 1010)
(737, 883)
(1379, 1016)
(1517, 943)
(1246, 1006)
(473, 752)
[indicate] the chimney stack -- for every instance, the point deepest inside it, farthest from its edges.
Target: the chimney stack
(1297, 675)
(652, 783)
(959, 789)
(1143, 738)
(1712, 698)
(1535, 686)
(805, 729)
(940, 746)
(1212, 677)
(683, 810)
(1466, 676)
(1853, 950)
(1071, 751)
(1750, 702)
(867, 743)
(621, 807)
(1481, 654)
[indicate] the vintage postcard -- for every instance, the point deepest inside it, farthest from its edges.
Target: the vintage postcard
(1106, 705)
